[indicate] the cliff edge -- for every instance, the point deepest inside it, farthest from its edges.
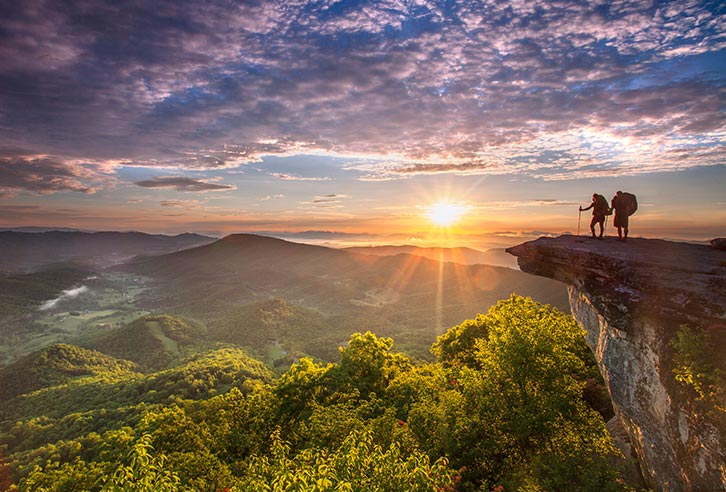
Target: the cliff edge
(632, 299)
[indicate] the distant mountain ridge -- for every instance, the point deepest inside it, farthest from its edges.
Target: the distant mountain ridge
(41, 229)
(463, 255)
(23, 251)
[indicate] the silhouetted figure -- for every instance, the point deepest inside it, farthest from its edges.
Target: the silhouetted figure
(600, 209)
(625, 205)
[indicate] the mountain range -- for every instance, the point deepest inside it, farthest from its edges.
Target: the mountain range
(408, 297)
(28, 251)
(466, 256)
(280, 300)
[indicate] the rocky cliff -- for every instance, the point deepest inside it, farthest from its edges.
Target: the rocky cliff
(632, 299)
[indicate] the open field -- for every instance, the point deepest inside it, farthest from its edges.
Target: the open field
(107, 301)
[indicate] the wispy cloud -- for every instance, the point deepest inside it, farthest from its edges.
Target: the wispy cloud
(515, 204)
(181, 203)
(180, 183)
(326, 201)
(292, 177)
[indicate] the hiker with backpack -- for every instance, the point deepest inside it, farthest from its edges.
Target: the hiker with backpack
(625, 204)
(600, 210)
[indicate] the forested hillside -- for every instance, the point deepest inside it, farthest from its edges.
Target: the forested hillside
(151, 341)
(407, 297)
(509, 404)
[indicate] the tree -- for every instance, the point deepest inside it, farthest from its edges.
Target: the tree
(368, 365)
(358, 465)
(143, 473)
(520, 419)
(74, 476)
(695, 366)
(297, 391)
(457, 346)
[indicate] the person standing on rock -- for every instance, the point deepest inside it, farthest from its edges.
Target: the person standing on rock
(625, 205)
(600, 209)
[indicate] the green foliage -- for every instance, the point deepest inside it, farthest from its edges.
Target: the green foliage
(695, 367)
(301, 387)
(73, 476)
(152, 341)
(200, 376)
(274, 323)
(527, 362)
(56, 365)
(357, 465)
(367, 364)
(518, 409)
(189, 445)
(458, 345)
(143, 472)
(57, 424)
(244, 422)
(503, 408)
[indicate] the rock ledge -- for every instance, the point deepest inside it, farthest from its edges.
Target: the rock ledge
(631, 298)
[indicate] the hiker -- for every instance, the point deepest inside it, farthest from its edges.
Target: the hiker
(625, 205)
(600, 209)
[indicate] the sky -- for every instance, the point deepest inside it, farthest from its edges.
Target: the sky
(344, 122)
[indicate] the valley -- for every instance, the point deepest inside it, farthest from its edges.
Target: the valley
(278, 299)
(82, 302)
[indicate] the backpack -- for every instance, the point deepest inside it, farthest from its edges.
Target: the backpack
(631, 203)
(601, 205)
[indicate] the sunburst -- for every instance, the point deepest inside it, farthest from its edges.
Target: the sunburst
(445, 214)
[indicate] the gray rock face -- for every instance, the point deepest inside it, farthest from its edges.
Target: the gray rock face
(631, 298)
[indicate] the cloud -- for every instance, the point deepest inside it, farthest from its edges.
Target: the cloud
(180, 203)
(180, 183)
(326, 201)
(514, 204)
(64, 295)
(18, 208)
(312, 234)
(332, 198)
(44, 175)
(292, 177)
(445, 87)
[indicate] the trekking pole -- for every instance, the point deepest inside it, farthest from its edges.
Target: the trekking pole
(579, 216)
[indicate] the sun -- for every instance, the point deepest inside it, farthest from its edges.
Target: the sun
(445, 214)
